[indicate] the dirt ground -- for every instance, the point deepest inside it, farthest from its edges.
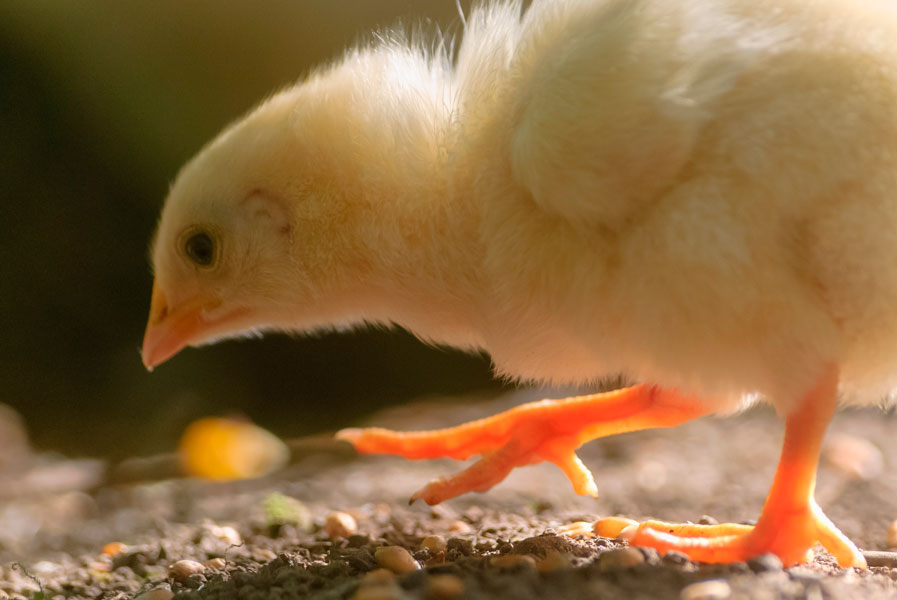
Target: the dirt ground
(67, 530)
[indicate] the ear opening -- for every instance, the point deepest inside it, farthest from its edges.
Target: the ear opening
(267, 210)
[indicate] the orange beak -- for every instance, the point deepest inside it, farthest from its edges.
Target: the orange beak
(191, 322)
(170, 329)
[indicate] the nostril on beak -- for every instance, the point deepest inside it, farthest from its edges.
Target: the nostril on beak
(158, 306)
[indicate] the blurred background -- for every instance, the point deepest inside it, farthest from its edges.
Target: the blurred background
(100, 104)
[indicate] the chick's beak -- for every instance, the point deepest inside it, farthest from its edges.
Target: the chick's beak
(171, 328)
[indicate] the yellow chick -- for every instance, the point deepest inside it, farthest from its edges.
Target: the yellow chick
(697, 193)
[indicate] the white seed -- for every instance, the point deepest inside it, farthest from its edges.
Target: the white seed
(854, 456)
(892, 535)
(460, 527)
(225, 533)
(183, 569)
(156, 594)
(340, 525)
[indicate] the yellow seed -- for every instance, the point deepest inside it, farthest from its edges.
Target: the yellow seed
(396, 559)
(226, 449)
(114, 548)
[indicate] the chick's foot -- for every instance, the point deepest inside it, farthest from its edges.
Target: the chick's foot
(548, 430)
(789, 535)
(791, 522)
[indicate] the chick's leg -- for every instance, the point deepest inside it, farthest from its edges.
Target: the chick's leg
(791, 522)
(549, 430)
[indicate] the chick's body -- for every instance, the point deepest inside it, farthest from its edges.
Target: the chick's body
(699, 194)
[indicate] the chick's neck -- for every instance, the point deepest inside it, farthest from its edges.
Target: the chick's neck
(419, 229)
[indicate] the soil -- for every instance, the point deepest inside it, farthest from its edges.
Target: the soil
(68, 530)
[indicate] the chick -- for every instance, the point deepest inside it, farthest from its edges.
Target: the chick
(697, 193)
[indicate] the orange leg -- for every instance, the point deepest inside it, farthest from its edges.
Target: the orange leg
(549, 430)
(791, 522)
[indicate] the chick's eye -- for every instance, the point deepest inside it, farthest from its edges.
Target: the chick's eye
(200, 249)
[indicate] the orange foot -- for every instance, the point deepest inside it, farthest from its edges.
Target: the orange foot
(549, 430)
(790, 536)
(791, 522)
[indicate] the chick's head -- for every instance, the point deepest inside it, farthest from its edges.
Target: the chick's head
(249, 235)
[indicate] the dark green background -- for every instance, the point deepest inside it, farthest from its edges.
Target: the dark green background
(100, 104)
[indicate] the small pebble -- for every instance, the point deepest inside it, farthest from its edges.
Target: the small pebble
(611, 527)
(879, 558)
(340, 525)
(804, 575)
(892, 535)
(554, 561)
(377, 592)
(156, 594)
(183, 569)
(651, 554)
(217, 564)
(441, 512)
(378, 576)
(443, 587)
(854, 456)
(707, 520)
(674, 557)
(651, 475)
(264, 554)
(434, 543)
(396, 559)
(712, 589)
(507, 561)
(764, 563)
(459, 546)
(381, 513)
(620, 558)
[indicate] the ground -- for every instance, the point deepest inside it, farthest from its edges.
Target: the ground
(79, 529)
